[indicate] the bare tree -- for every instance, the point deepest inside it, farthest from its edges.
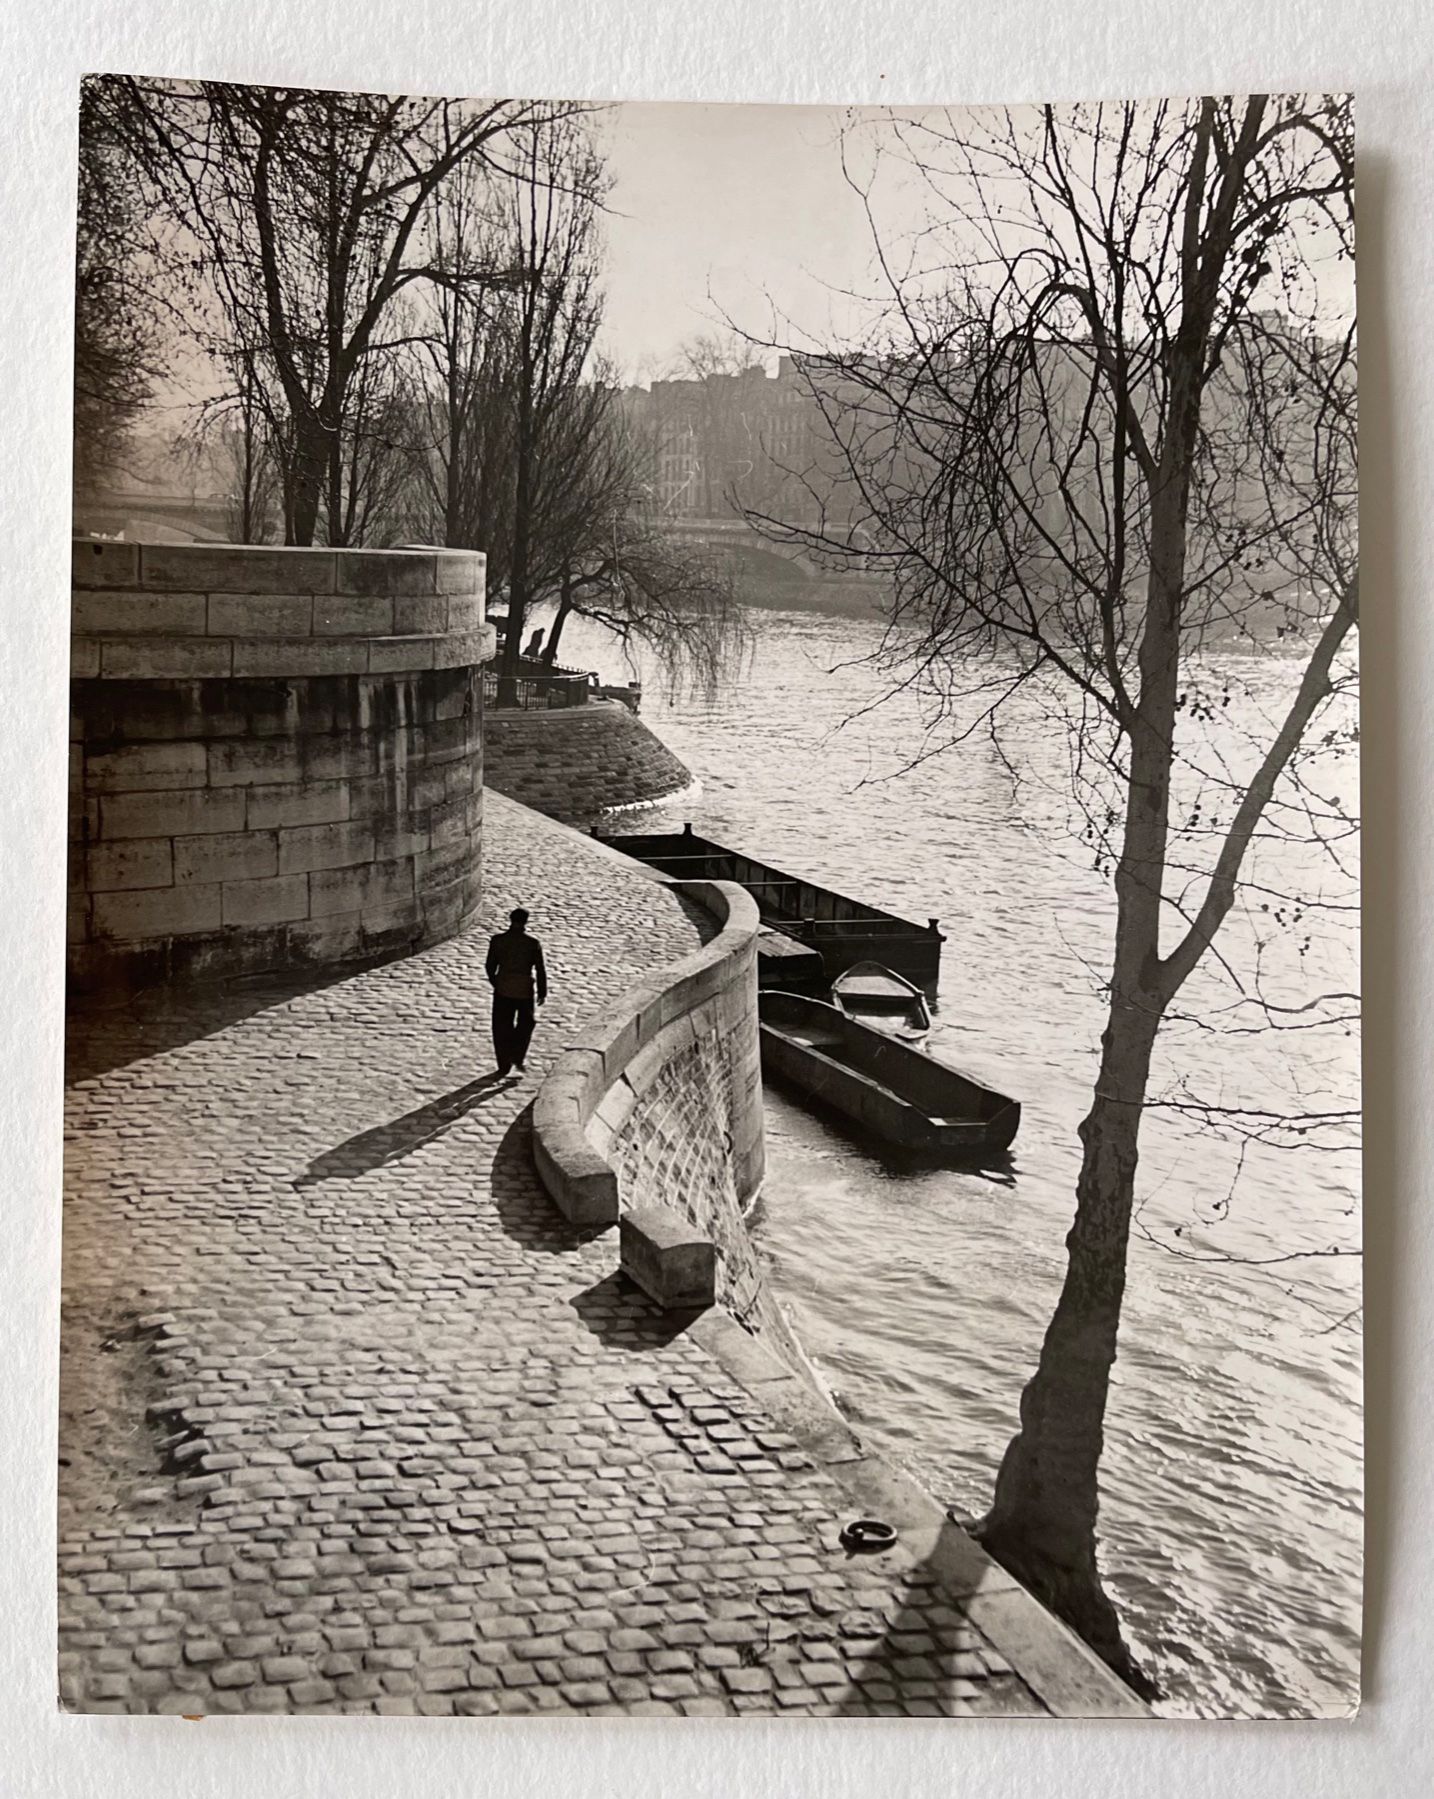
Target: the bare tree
(233, 431)
(116, 324)
(513, 409)
(557, 311)
(531, 456)
(621, 569)
(465, 383)
(382, 443)
(1106, 422)
(302, 211)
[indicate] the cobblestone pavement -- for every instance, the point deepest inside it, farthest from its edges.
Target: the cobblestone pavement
(352, 1420)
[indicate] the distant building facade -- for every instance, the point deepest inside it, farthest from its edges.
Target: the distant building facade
(725, 444)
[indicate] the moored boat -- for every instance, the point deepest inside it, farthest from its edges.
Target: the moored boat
(898, 1093)
(882, 998)
(831, 926)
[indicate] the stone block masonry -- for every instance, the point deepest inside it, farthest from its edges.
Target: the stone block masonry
(577, 763)
(659, 1104)
(672, 1261)
(688, 1138)
(275, 759)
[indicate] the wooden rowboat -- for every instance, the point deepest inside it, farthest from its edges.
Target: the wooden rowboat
(879, 996)
(896, 1092)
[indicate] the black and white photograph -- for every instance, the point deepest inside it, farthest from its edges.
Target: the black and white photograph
(712, 1053)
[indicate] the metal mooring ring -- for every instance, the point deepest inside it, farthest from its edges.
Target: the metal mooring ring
(867, 1534)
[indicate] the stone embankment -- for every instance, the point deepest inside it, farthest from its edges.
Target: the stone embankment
(354, 1420)
(576, 763)
(275, 756)
(658, 1103)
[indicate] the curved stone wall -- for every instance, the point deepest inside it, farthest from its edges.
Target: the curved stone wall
(660, 1102)
(275, 756)
(576, 762)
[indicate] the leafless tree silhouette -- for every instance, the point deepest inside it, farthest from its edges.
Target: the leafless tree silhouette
(1106, 422)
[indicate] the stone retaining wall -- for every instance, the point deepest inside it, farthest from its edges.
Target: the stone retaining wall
(674, 1130)
(275, 756)
(660, 1102)
(576, 762)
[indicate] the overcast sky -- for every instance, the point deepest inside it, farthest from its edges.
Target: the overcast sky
(746, 204)
(745, 208)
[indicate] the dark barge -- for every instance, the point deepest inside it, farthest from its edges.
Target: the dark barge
(903, 1095)
(812, 934)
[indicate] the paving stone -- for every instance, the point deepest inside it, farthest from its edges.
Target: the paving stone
(447, 1464)
(312, 1692)
(234, 1674)
(746, 1680)
(823, 1674)
(360, 1686)
(181, 1704)
(475, 1705)
(281, 1669)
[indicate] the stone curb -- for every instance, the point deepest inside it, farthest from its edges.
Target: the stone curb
(578, 1179)
(268, 568)
(121, 656)
(188, 612)
(1063, 1673)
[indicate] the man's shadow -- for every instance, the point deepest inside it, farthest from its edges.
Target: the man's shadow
(391, 1142)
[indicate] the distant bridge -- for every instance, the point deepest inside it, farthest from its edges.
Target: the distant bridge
(735, 538)
(200, 518)
(206, 519)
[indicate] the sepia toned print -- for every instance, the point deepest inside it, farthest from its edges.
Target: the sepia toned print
(714, 1030)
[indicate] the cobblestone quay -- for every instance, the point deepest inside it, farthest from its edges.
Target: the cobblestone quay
(352, 1421)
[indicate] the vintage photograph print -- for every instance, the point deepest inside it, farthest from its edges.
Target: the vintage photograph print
(713, 1042)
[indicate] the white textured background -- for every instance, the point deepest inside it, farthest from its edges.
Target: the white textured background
(827, 51)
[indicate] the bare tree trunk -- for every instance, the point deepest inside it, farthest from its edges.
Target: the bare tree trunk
(304, 483)
(519, 563)
(560, 618)
(336, 512)
(1042, 1522)
(249, 520)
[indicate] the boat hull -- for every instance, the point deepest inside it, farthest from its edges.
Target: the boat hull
(841, 931)
(885, 1088)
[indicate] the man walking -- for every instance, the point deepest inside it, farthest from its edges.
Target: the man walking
(520, 981)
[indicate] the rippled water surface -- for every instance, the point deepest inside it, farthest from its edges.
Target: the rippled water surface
(1231, 1511)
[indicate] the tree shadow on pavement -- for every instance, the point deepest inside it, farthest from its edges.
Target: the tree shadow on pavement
(928, 1659)
(620, 1314)
(391, 1142)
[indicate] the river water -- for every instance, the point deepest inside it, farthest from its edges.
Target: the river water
(1231, 1514)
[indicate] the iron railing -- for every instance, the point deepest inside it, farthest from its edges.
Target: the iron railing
(536, 687)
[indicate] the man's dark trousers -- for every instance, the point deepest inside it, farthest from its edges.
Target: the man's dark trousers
(512, 1029)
